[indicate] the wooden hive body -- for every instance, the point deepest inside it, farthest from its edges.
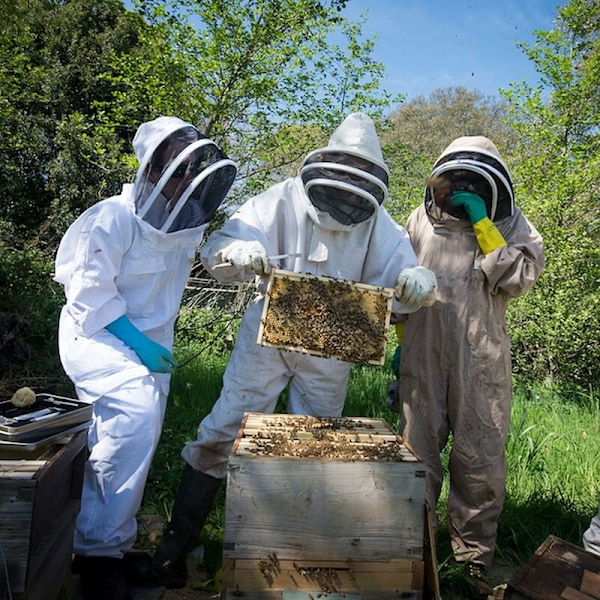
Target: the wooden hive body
(332, 506)
(558, 570)
(39, 501)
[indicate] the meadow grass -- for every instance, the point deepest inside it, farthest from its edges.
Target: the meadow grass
(553, 458)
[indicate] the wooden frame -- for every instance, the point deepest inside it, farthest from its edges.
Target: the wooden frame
(324, 316)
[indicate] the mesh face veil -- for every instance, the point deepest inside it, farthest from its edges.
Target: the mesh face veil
(476, 169)
(349, 188)
(348, 179)
(184, 182)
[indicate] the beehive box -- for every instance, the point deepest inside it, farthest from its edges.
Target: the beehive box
(558, 570)
(39, 501)
(327, 317)
(323, 507)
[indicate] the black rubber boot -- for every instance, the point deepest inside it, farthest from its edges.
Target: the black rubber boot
(102, 578)
(193, 502)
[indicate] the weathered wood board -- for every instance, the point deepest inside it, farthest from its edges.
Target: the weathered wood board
(558, 570)
(39, 500)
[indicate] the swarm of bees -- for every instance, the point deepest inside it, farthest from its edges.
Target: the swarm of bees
(326, 317)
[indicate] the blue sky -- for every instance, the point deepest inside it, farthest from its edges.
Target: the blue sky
(428, 44)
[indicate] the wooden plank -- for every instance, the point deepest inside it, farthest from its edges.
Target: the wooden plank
(590, 583)
(555, 565)
(262, 420)
(570, 593)
(39, 503)
(232, 594)
(431, 583)
(16, 507)
(55, 485)
(323, 576)
(50, 563)
(323, 509)
(20, 469)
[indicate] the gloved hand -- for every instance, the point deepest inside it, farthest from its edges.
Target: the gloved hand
(248, 256)
(154, 356)
(416, 286)
(473, 204)
(487, 234)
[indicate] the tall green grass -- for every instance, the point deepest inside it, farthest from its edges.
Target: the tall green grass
(553, 456)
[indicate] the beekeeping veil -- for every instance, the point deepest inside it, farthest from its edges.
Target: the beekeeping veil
(348, 179)
(183, 176)
(471, 163)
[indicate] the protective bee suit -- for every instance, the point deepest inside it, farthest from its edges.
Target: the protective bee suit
(591, 536)
(455, 371)
(124, 264)
(329, 221)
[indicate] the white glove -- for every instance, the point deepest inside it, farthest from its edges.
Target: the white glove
(416, 287)
(248, 256)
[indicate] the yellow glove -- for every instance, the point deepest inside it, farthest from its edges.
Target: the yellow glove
(488, 236)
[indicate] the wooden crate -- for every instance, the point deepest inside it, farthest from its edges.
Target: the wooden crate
(323, 505)
(558, 570)
(327, 317)
(39, 500)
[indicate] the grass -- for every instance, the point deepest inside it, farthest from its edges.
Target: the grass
(553, 457)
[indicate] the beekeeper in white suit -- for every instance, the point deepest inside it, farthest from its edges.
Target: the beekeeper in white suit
(124, 264)
(330, 222)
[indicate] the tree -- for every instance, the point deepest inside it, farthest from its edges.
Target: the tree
(270, 79)
(420, 130)
(558, 326)
(262, 77)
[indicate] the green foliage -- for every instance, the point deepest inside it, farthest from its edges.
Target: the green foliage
(78, 77)
(557, 327)
(269, 80)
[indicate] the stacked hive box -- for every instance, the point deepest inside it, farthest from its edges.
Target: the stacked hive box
(558, 570)
(332, 507)
(39, 500)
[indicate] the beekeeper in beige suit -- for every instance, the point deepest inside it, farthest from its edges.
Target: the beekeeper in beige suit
(455, 368)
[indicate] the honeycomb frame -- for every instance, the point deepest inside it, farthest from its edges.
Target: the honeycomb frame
(325, 316)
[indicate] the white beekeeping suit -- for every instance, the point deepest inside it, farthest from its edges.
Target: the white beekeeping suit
(124, 264)
(591, 536)
(330, 219)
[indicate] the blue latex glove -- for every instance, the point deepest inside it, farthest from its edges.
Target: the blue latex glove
(396, 362)
(473, 204)
(154, 356)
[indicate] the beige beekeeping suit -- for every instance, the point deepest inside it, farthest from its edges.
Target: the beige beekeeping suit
(455, 373)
